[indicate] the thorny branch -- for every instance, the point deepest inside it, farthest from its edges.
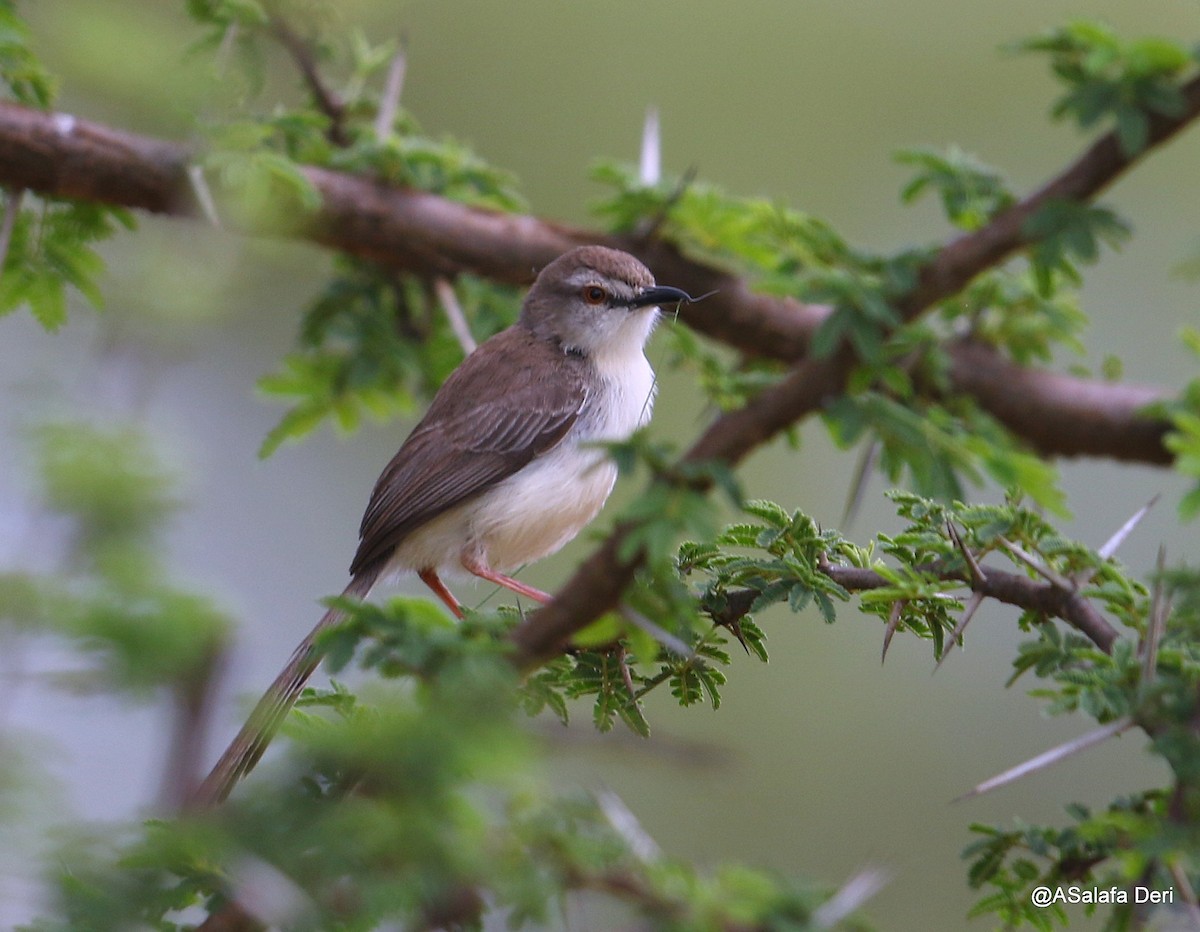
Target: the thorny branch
(61, 155)
(1009, 588)
(325, 98)
(598, 584)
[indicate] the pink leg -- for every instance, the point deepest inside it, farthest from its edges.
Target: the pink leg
(430, 577)
(478, 568)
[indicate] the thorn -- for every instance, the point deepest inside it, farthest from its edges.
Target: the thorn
(735, 628)
(977, 575)
(972, 606)
(858, 486)
(626, 825)
(203, 194)
(1157, 622)
(1083, 577)
(225, 49)
(650, 167)
(626, 673)
(1110, 546)
(1051, 757)
(12, 209)
(664, 637)
(63, 123)
(1034, 564)
(389, 102)
(1186, 889)
(892, 625)
(454, 314)
(268, 894)
(850, 897)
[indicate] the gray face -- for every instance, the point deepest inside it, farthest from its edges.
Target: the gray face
(596, 300)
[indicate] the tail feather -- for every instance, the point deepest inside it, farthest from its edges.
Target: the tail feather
(246, 749)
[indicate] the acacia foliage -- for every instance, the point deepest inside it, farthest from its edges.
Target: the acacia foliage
(418, 807)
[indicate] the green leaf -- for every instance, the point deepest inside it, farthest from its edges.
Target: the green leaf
(971, 193)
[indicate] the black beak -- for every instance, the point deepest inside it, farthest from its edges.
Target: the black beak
(661, 294)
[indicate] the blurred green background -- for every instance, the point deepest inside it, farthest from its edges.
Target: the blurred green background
(822, 762)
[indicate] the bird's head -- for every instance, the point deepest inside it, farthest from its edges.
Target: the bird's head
(597, 302)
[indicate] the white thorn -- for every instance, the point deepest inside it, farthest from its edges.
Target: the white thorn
(64, 123)
(1053, 756)
(1038, 567)
(1111, 545)
(389, 103)
(12, 210)
(268, 894)
(203, 194)
(664, 637)
(626, 824)
(650, 169)
(225, 49)
(454, 313)
(850, 896)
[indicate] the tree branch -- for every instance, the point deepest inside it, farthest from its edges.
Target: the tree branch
(1011, 589)
(1061, 414)
(326, 100)
(597, 584)
(60, 155)
(1098, 167)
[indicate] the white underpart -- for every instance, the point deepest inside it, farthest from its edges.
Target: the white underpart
(534, 513)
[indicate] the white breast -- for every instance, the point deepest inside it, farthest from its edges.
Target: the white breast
(534, 513)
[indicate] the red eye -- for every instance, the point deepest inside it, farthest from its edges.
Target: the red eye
(594, 294)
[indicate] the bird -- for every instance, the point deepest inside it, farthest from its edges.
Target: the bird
(506, 466)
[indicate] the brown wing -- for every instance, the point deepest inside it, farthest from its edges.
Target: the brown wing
(510, 401)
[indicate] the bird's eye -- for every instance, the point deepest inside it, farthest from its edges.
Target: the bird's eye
(594, 294)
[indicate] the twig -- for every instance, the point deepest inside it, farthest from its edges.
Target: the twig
(454, 314)
(646, 230)
(328, 102)
(1102, 163)
(1011, 589)
(1006, 587)
(1051, 757)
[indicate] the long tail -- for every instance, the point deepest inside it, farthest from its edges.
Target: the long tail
(245, 750)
